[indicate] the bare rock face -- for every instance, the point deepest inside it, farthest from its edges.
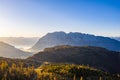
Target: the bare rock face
(75, 39)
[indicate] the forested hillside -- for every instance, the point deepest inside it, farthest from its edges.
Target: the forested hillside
(52, 72)
(98, 57)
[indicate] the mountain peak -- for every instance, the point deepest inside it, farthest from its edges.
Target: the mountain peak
(56, 33)
(75, 39)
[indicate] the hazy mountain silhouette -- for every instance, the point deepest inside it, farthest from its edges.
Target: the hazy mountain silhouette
(100, 58)
(9, 51)
(20, 42)
(75, 39)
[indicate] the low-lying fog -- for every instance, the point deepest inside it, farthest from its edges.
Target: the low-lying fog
(22, 43)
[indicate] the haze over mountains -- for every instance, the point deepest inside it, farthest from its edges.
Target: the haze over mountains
(78, 48)
(51, 40)
(20, 42)
(100, 58)
(75, 39)
(9, 51)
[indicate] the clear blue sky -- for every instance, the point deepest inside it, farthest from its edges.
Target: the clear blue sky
(37, 17)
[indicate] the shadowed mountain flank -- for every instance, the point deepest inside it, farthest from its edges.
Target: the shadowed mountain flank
(75, 39)
(94, 56)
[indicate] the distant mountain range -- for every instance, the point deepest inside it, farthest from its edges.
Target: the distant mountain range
(20, 42)
(9, 51)
(100, 58)
(75, 39)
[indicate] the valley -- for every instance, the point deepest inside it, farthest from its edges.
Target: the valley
(61, 60)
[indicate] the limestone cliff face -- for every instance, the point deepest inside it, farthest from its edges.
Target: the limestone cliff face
(75, 39)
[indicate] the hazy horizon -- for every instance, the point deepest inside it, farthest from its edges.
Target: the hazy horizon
(52, 32)
(35, 18)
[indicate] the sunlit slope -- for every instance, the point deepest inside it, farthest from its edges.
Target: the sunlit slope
(52, 72)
